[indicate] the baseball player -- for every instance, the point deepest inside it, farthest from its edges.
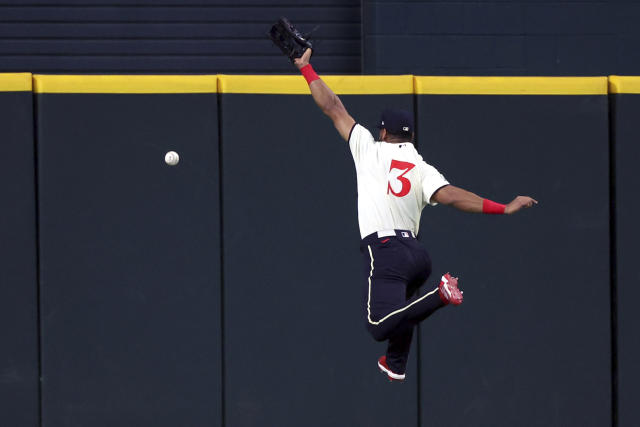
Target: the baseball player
(394, 185)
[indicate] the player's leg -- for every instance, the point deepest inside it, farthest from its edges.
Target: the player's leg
(384, 295)
(385, 285)
(399, 344)
(389, 267)
(418, 308)
(395, 268)
(409, 312)
(394, 363)
(398, 349)
(447, 291)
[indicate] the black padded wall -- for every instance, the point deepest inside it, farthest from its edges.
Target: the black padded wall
(145, 321)
(531, 344)
(296, 348)
(130, 255)
(625, 101)
(18, 286)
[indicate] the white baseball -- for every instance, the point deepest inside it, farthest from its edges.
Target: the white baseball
(172, 158)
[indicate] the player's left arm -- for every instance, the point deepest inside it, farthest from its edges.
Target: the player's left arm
(326, 99)
(469, 202)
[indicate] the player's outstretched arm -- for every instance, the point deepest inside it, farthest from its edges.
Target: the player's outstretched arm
(328, 101)
(469, 202)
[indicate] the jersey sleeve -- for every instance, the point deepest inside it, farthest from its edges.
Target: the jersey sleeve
(432, 180)
(360, 140)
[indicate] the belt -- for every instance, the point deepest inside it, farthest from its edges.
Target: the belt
(403, 234)
(398, 233)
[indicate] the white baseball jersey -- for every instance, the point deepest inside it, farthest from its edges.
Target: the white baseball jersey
(394, 183)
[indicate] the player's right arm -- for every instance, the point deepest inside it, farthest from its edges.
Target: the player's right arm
(469, 202)
(328, 101)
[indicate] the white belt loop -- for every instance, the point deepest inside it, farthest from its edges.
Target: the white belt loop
(386, 233)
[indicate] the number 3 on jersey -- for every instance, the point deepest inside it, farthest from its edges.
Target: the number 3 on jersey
(406, 184)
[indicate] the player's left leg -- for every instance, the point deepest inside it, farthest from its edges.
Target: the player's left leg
(399, 344)
(398, 349)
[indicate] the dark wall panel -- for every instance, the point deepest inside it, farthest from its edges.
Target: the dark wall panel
(297, 351)
(531, 345)
(501, 38)
(130, 260)
(626, 108)
(196, 36)
(18, 286)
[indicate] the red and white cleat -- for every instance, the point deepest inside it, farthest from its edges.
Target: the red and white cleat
(382, 364)
(448, 290)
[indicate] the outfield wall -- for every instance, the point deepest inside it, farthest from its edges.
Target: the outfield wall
(227, 290)
(129, 251)
(625, 107)
(18, 273)
(535, 320)
(293, 322)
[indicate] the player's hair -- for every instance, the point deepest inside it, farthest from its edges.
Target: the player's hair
(399, 137)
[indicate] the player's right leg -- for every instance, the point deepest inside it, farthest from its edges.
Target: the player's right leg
(448, 290)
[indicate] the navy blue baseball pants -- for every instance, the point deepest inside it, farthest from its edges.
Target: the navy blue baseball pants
(395, 267)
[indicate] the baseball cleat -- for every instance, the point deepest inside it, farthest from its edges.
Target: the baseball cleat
(382, 364)
(448, 290)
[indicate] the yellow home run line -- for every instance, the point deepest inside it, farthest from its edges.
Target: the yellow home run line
(124, 84)
(15, 82)
(296, 85)
(624, 84)
(510, 85)
(342, 85)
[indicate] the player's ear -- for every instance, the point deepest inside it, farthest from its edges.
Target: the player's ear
(383, 134)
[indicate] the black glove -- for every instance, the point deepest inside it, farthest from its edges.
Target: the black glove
(290, 41)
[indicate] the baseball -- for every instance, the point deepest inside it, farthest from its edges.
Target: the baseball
(172, 158)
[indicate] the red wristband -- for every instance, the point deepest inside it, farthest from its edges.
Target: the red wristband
(490, 207)
(308, 73)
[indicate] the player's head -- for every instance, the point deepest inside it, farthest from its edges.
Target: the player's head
(396, 126)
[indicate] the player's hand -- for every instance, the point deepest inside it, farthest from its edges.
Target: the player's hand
(518, 203)
(304, 59)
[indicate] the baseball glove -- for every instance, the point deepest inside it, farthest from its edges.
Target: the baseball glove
(290, 41)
